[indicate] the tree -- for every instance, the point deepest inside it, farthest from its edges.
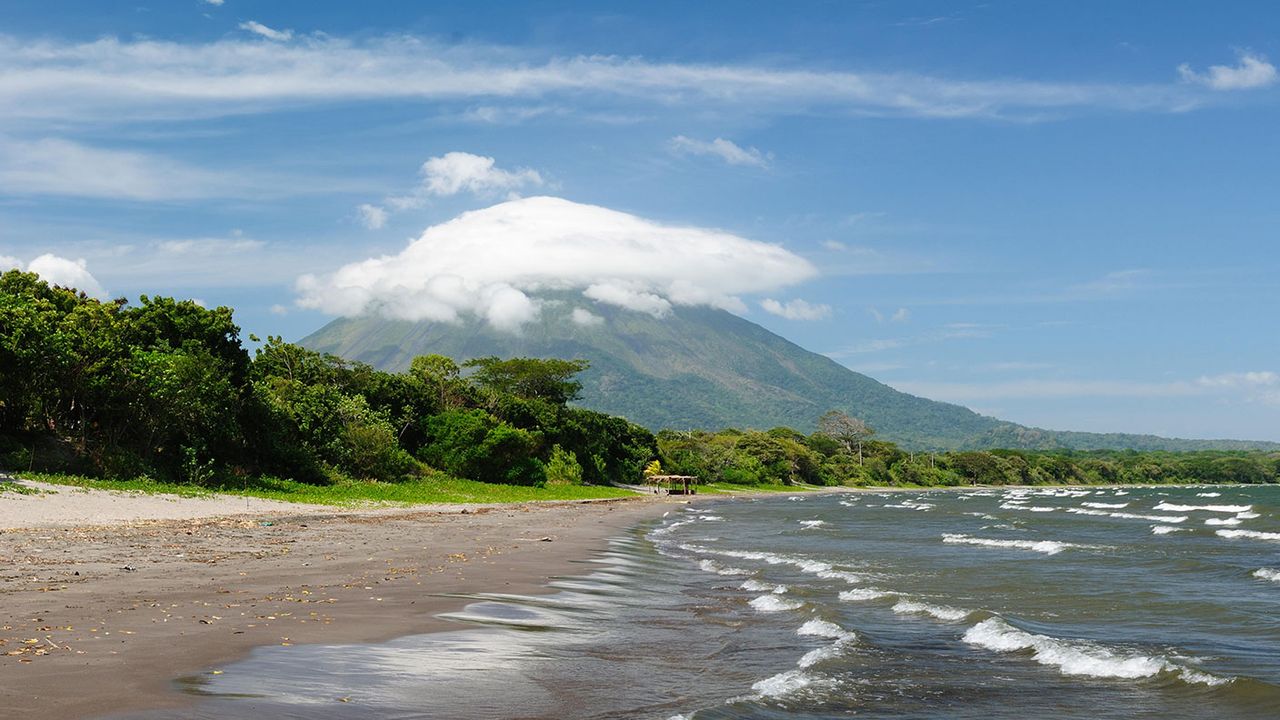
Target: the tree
(550, 380)
(848, 431)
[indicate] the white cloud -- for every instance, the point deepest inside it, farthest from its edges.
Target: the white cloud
(795, 309)
(258, 28)
(57, 270)
(585, 318)
(193, 247)
(484, 263)
(450, 174)
(455, 172)
(834, 245)
(216, 3)
(1253, 72)
(60, 167)
(1263, 378)
(279, 309)
(900, 315)
(114, 79)
(373, 217)
(726, 150)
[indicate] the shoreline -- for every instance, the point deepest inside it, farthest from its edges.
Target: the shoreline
(126, 609)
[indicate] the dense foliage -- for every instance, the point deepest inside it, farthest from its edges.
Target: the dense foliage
(166, 389)
(785, 456)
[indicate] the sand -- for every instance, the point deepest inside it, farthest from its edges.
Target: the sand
(106, 598)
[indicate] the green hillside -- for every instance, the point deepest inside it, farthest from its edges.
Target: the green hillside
(706, 368)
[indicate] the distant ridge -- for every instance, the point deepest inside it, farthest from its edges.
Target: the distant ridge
(710, 369)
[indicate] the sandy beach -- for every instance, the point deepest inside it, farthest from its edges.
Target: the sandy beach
(108, 597)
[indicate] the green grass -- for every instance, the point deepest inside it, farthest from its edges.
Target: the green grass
(435, 489)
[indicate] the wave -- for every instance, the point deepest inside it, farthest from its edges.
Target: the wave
(860, 594)
(1164, 529)
(1222, 521)
(813, 523)
(1107, 506)
(1208, 494)
(1129, 516)
(1248, 515)
(1267, 574)
(941, 612)
(774, 603)
(753, 585)
(1247, 534)
(783, 684)
(1078, 657)
(1048, 547)
(1171, 507)
(817, 627)
(851, 578)
(804, 564)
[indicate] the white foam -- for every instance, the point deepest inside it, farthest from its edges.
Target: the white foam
(941, 612)
(753, 585)
(813, 523)
(1118, 493)
(1247, 515)
(848, 577)
(804, 564)
(1105, 506)
(1130, 516)
(774, 603)
(1077, 657)
(1223, 521)
(1041, 509)
(711, 518)
(817, 655)
(1164, 529)
(1267, 574)
(783, 684)
(1171, 507)
(1208, 494)
(1254, 534)
(1048, 547)
(859, 594)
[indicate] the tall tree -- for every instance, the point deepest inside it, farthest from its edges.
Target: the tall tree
(847, 430)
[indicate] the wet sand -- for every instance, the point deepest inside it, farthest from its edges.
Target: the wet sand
(100, 619)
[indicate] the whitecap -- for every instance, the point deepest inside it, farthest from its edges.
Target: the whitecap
(860, 594)
(1153, 518)
(817, 627)
(1248, 515)
(1076, 657)
(1267, 574)
(783, 684)
(1208, 494)
(1164, 529)
(1106, 506)
(1254, 534)
(1048, 547)
(753, 585)
(851, 578)
(940, 612)
(813, 523)
(817, 655)
(1041, 509)
(1223, 521)
(1171, 507)
(774, 603)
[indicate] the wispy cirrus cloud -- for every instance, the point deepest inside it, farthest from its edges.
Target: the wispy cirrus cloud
(1256, 386)
(261, 30)
(54, 166)
(726, 150)
(118, 79)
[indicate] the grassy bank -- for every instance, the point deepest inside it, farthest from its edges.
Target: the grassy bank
(436, 489)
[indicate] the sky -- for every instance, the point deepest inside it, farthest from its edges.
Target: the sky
(1060, 214)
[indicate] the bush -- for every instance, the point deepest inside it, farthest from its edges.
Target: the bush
(563, 468)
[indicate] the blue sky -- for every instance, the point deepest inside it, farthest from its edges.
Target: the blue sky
(1060, 214)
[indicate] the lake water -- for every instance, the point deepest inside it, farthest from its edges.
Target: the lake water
(1054, 603)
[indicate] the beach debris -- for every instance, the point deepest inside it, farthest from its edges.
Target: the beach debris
(129, 568)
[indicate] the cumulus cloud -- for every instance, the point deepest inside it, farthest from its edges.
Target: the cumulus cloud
(60, 167)
(372, 216)
(1253, 71)
(486, 263)
(57, 270)
(726, 150)
(258, 28)
(450, 174)
(795, 309)
(585, 318)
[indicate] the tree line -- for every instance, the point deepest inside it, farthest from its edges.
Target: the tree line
(167, 389)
